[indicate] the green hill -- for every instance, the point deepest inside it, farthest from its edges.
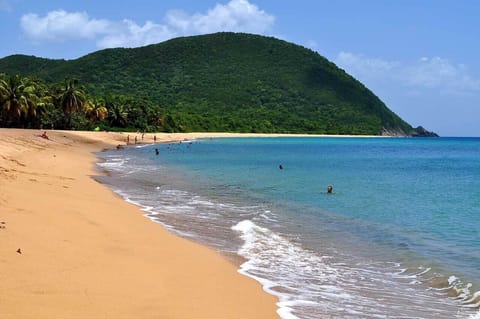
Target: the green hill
(228, 82)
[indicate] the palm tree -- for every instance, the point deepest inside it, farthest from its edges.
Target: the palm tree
(72, 96)
(117, 114)
(19, 99)
(95, 109)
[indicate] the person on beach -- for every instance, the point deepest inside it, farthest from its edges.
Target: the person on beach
(154, 139)
(135, 139)
(330, 189)
(128, 139)
(44, 135)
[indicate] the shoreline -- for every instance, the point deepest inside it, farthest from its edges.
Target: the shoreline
(72, 248)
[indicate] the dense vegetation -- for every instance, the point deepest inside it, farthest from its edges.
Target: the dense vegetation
(219, 82)
(29, 103)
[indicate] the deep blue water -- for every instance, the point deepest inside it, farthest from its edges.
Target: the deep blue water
(398, 238)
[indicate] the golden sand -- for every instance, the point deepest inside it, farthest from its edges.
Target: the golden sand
(71, 248)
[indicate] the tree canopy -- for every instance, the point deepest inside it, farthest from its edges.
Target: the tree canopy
(219, 82)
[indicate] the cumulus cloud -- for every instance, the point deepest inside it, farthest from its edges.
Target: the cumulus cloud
(365, 67)
(437, 72)
(60, 25)
(236, 16)
(129, 34)
(425, 73)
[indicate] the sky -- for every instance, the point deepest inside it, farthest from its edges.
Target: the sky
(421, 57)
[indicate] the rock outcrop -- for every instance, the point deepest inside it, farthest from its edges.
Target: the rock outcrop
(422, 132)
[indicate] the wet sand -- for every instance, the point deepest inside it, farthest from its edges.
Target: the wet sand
(71, 248)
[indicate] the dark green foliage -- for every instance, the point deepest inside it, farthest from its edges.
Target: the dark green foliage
(22, 100)
(52, 117)
(30, 104)
(221, 82)
(71, 96)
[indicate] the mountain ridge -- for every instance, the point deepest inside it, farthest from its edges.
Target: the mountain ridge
(229, 82)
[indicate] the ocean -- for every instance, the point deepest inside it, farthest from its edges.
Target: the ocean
(399, 237)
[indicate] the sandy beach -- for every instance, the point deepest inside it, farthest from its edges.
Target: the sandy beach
(71, 248)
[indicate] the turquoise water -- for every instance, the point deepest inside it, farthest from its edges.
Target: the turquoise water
(398, 238)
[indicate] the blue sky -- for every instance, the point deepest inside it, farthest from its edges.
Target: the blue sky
(421, 57)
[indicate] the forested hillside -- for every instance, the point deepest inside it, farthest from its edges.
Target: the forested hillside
(222, 82)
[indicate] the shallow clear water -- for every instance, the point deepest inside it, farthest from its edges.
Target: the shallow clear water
(399, 238)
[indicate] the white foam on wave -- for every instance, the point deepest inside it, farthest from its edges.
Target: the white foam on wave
(452, 279)
(142, 145)
(309, 285)
(475, 316)
(113, 163)
(131, 201)
(150, 213)
(463, 292)
(473, 301)
(274, 257)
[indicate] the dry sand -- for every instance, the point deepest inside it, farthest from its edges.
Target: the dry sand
(86, 253)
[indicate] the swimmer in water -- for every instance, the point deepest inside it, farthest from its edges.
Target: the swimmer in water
(330, 189)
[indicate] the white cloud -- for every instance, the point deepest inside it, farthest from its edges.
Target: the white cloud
(364, 67)
(425, 73)
(129, 34)
(236, 16)
(60, 25)
(437, 72)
